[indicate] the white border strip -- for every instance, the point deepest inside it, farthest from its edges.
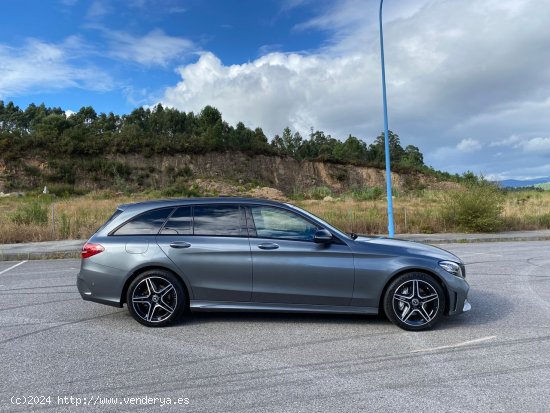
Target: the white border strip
(465, 343)
(12, 267)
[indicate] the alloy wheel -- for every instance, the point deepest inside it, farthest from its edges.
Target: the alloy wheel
(154, 299)
(415, 302)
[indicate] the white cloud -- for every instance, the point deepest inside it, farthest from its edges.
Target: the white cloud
(98, 9)
(278, 90)
(511, 141)
(38, 66)
(468, 145)
(538, 145)
(473, 68)
(153, 49)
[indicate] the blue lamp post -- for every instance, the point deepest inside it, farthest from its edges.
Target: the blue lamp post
(386, 140)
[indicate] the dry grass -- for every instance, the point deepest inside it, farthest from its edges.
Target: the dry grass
(73, 218)
(79, 217)
(412, 214)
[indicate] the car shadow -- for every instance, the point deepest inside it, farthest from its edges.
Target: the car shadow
(488, 307)
(191, 318)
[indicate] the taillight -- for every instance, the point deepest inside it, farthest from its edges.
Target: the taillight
(89, 250)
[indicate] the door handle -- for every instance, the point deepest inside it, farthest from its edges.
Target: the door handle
(180, 244)
(268, 246)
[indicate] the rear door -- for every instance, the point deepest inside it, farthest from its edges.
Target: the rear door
(209, 244)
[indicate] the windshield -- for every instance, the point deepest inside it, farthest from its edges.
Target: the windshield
(322, 221)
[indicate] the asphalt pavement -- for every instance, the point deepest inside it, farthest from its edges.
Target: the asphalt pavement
(55, 347)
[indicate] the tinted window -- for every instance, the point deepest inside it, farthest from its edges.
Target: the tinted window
(145, 224)
(179, 223)
(217, 220)
(115, 214)
(278, 223)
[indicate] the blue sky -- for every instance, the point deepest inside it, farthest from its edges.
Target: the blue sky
(236, 31)
(468, 81)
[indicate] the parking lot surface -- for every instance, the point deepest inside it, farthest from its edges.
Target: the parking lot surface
(494, 358)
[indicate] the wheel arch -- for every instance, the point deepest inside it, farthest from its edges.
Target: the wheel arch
(141, 270)
(429, 273)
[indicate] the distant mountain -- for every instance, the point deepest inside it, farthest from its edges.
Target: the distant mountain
(516, 183)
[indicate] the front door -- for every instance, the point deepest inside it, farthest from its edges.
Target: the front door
(290, 268)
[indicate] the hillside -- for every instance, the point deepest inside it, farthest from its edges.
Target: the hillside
(162, 148)
(516, 183)
(206, 173)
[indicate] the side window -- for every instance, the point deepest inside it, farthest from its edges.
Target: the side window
(277, 223)
(223, 220)
(115, 214)
(179, 223)
(148, 223)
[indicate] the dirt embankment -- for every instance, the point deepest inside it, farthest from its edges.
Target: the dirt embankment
(285, 174)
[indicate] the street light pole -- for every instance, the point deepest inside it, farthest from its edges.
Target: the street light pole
(386, 140)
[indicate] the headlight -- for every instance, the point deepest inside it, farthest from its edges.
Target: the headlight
(452, 267)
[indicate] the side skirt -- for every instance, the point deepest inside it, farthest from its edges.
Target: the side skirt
(196, 305)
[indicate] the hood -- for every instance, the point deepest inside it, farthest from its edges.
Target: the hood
(403, 247)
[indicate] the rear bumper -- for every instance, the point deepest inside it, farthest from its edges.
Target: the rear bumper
(100, 284)
(87, 295)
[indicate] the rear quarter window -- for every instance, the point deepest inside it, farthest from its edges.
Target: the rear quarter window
(111, 218)
(147, 223)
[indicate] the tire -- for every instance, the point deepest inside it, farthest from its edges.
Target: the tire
(156, 298)
(414, 301)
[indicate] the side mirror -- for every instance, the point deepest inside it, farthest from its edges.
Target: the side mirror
(322, 236)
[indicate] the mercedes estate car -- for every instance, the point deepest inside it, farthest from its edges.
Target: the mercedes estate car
(164, 258)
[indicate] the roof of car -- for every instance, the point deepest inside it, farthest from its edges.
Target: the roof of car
(190, 201)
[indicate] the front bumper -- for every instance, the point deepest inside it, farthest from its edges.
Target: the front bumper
(457, 294)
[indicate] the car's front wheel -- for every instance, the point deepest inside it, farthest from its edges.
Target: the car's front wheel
(414, 301)
(155, 298)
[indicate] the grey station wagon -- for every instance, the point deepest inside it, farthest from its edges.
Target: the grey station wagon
(236, 254)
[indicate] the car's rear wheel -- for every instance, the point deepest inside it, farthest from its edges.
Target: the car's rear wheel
(155, 298)
(414, 301)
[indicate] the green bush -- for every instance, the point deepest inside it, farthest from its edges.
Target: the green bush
(319, 192)
(64, 226)
(477, 206)
(366, 194)
(33, 213)
(65, 190)
(181, 189)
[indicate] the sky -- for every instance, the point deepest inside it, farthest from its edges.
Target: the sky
(468, 81)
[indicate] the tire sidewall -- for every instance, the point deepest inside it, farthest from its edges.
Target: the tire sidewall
(388, 300)
(180, 294)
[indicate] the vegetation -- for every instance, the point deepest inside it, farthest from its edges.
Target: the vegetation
(29, 218)
(81, 139)
(82, 144)
(475, 206)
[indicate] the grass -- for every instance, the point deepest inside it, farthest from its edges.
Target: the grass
(29, 218)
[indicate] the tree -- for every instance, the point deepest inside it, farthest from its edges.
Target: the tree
(351, 151)
(412, 157)
(377, 151)
(85, 116)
